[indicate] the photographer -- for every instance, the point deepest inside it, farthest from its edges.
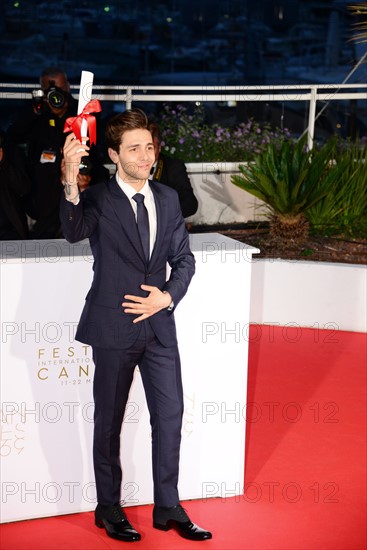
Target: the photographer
(39, 133)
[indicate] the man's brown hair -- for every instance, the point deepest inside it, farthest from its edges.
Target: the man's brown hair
(155, 131)
(132, 119)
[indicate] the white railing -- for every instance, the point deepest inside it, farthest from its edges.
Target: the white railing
(311, 93)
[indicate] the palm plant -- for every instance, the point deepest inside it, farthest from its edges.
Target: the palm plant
(361, 26)
(290, 180)
(344, 211)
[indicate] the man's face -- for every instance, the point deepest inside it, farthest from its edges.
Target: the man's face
(61, 82)
(135, 157)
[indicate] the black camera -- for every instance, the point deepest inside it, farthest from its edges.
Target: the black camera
(53, 96)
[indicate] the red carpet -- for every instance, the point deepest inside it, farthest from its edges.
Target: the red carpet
(305, 459)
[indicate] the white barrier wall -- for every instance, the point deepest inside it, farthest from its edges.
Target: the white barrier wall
(321, 295)
(46, 381)
(220, 201)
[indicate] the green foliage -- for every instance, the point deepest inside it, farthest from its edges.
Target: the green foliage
(288, 178)
(186, 135)
(344, 209)
(327, 185)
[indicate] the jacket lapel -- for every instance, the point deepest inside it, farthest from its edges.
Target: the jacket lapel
(125, 214)
(161, 209)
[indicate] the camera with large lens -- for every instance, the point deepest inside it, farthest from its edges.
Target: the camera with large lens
(54, 97)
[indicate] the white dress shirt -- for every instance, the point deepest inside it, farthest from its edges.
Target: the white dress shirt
(149, 204)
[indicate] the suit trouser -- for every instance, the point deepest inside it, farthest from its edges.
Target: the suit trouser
(161, 375)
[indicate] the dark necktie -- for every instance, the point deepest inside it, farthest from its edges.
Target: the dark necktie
(142, 220)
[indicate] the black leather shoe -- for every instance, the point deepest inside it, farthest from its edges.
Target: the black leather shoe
(166, 518)
(113, 519)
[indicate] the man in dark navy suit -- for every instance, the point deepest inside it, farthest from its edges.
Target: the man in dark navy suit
(135, 228)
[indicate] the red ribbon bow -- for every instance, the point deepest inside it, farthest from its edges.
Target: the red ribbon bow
(74, 124)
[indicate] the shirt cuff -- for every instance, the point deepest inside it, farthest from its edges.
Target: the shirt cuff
(74, 201)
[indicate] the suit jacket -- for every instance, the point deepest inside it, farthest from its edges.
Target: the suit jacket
(172, 172)
(104, 215)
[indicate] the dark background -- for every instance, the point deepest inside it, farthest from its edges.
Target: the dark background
(186, 42)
